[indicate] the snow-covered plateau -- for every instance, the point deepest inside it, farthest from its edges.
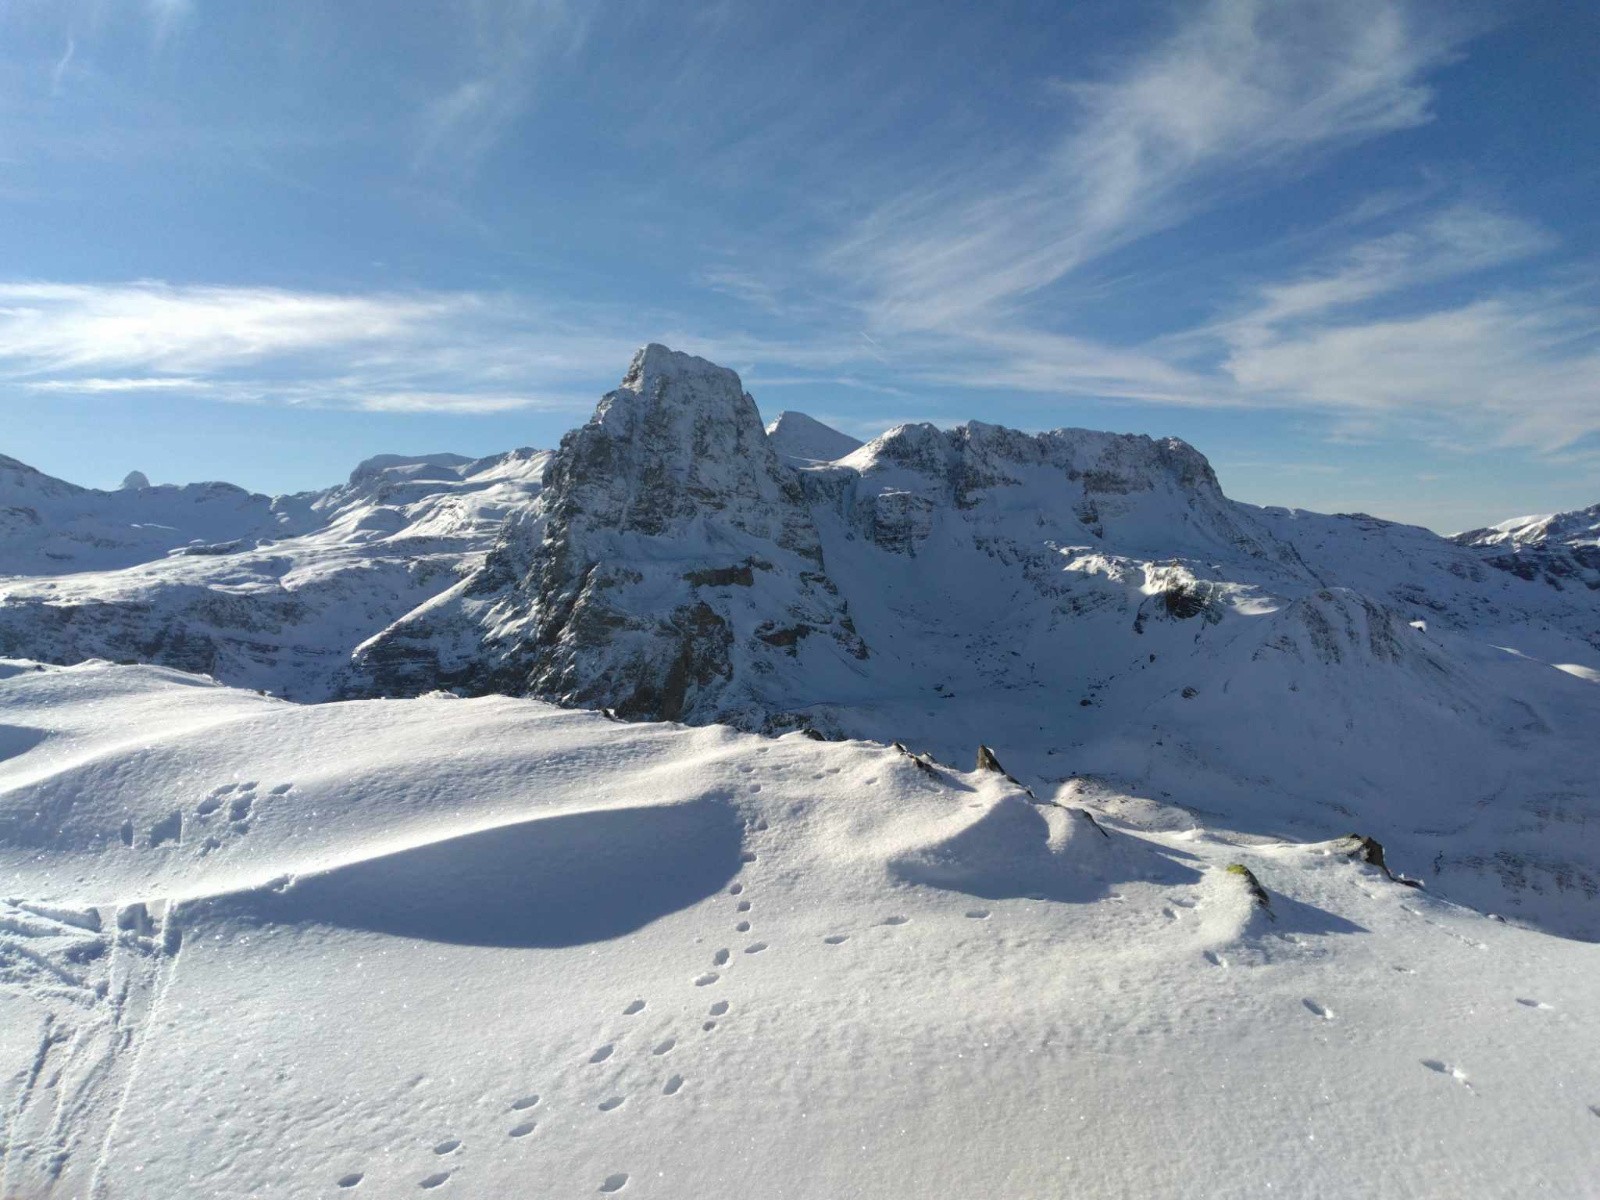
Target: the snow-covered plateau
(614, 820)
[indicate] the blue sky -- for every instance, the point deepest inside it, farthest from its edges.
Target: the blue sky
(1348, 249)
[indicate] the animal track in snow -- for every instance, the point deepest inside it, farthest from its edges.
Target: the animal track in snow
(836, 939)
(351, 1180)
(707, 979)
(615, 1183)
(437, 1179)
(978, 914)
(896, 920)
(448, 1146)
(636, 1007)
(719, 1008)
(720, 958)
(525, 1102)
(1320, 1010)
(1532, 1003)
(665, 1047)
(522, 1130)
(1443, 1068)
(755, 947)
(600, 1055)
(612, 1102)
(168, 829)
(670, 1088)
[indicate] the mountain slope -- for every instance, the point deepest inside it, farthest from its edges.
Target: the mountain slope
(1090, 604)
(801, 440)
(282, 604)
(255, 948)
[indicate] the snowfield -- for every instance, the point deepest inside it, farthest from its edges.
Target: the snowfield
(600, 821)
(497, 948)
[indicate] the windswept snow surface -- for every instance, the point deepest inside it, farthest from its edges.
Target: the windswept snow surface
(497, 948)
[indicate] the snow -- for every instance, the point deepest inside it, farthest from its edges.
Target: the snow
(498, 942)
(802, 440)
(467, 941)
(270, 593)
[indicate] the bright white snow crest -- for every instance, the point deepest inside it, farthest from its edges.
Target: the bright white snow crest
(473, 942)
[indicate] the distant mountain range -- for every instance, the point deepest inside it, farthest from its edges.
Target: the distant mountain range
(1089, 604)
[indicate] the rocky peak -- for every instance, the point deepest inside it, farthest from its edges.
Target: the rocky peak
(679, 441)
(668, 565)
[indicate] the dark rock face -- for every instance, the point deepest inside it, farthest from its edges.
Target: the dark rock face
(670, 556)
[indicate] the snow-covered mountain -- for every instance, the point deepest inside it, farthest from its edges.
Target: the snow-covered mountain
(266, 593)
(1090, 604)
(801, 440)
(437, 932)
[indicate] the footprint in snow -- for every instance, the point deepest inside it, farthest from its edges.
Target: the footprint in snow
(448, 1146)
(747, 856)
(351, 1180)
(633, 1009)
(744, 906)
(522, 1130)
(1456, 1073)
(978, 914)
(742, 927)
(707, 979)
(437, 1179)
(1532, 1003)
(896, 920)
(524, 1102)
(280, 789)
(720, 958)
(1215, 959)
(735, 888)
(755, 947)
(612, 1102)
(600, 1055)
(665, 1047)
(672, 1086)
(719, 1008)
(836, 939)
(1320, 1010)
(615, 1183)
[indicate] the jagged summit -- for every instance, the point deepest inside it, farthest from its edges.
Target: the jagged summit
(802, 440)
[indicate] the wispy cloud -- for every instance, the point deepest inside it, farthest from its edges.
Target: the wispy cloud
(1365, 337)
(396, 352)
(1519, 368)
(1242, 86)
(507, 44)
